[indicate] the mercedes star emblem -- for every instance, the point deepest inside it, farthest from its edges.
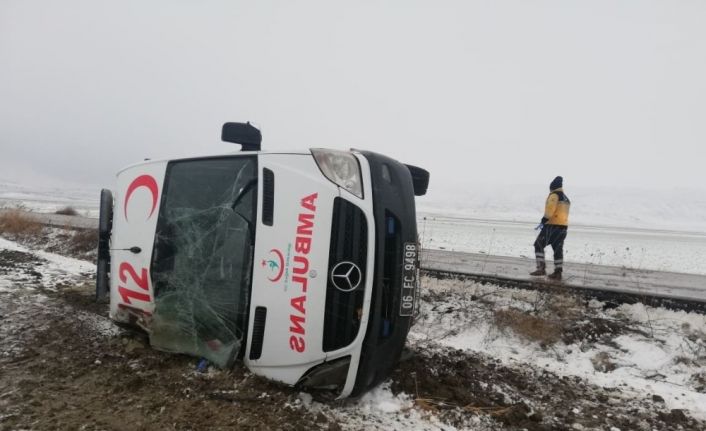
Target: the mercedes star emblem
(346, 276)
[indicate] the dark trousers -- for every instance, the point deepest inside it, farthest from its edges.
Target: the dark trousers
(550, 235)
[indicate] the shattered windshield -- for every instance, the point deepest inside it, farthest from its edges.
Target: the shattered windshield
(202, 259)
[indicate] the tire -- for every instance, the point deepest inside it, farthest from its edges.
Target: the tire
(420, 180)
(105, 226)
(105, 219)
(102, 278)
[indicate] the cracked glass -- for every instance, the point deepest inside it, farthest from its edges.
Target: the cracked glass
(202, 259)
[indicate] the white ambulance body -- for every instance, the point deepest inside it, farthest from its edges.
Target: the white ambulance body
(302, 264)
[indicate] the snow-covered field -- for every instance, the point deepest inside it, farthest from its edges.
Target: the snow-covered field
(649, 229)
(634, 248)
(50, 197)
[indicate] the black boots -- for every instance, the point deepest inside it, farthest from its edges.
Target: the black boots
(556, 275)
(541, 270)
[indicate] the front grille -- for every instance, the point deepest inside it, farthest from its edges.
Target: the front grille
(348, 248)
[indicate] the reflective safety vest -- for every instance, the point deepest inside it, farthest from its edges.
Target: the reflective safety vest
(556, 209)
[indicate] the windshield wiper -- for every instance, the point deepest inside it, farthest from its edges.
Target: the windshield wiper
(243, 191)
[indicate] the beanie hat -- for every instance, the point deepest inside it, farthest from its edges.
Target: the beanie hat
(557, 183)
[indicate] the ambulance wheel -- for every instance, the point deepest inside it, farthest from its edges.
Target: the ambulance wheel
(105, 225)
(105, 219)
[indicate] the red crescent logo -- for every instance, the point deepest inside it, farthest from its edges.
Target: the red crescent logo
(142, 181)
(281, 265)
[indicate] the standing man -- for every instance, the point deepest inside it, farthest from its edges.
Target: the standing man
(553, 225)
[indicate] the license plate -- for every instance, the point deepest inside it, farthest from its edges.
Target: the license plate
(409, 278)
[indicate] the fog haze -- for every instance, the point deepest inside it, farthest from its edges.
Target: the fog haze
(605, 93)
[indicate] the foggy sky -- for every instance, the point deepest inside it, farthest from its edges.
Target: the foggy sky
(477, 92)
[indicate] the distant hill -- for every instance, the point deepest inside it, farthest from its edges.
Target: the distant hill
(673, 209)
(50, 197)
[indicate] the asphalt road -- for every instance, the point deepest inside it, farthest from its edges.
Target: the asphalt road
(660, 284)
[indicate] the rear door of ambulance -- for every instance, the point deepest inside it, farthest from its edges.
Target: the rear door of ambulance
(136, 209)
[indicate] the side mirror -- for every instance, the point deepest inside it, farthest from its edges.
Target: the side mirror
(420, 180)
(245, 134)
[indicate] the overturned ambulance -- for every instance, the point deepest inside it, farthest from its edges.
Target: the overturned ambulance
(302, 264)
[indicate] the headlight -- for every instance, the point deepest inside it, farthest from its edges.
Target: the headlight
(341, 167)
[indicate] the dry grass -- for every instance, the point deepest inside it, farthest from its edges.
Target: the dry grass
(21, 226)
(69, 211)
(83, 241)
(562, 306)
(16, 222)
(544, 331)
(556, 315)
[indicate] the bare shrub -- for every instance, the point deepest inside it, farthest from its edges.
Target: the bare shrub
(544, 331)
(69, 211)
(563, 306)
(16, 222)
(83, 241)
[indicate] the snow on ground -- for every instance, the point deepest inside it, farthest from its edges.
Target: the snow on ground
(381, 409)
(662, 353)
(661, 230)
(633, 248)
(27, 279)
(378, 409)
(26, 299)
(54, 269)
